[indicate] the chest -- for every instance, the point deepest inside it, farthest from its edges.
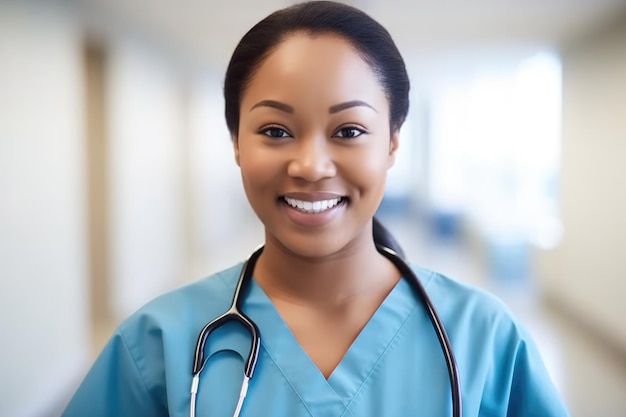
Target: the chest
(383, 372)
(326, 336)
(392, 366)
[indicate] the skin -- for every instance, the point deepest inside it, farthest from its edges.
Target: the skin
(314, 126)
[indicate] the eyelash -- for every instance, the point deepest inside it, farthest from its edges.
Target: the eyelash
(340, 133)
(265, 131)
(347, 128)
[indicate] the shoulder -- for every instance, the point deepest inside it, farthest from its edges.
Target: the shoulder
(173, 320)
(149, 357)
(207, 297)
(476, 321)
(454, 298)
(161, 336)
(498, 360)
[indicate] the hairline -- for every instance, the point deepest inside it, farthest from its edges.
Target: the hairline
(312, 33)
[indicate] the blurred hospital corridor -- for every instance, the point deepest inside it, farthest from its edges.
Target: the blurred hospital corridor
(118, 180)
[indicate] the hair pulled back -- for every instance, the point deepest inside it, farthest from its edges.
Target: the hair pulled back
(369, 39)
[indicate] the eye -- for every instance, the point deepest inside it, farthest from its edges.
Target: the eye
(274, 132)
(349, 132)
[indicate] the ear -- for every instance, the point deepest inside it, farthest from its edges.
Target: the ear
(393, 147)
(235, 141)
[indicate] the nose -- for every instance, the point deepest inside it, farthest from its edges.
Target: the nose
(312, 160)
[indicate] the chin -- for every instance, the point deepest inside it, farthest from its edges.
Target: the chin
(310, 247)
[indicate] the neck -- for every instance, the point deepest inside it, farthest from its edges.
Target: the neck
(326, 282)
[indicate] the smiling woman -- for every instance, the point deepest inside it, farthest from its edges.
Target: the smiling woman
(299, 141)
(316, 95)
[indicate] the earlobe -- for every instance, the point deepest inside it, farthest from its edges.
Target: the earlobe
(393, 147)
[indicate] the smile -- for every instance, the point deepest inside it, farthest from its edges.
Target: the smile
(312, 206)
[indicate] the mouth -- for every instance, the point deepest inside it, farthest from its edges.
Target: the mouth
(314, 207)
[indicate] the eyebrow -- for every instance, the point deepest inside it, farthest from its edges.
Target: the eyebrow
(332, 109)
(274, 105)
(349, 104)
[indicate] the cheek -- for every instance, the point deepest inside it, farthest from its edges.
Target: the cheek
(376, 175)
(258, 169)
(375, 156)
(367, 170)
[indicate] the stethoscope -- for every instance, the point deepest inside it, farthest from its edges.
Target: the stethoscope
(234, 313)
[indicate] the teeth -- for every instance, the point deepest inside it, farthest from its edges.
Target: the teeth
(312, 206)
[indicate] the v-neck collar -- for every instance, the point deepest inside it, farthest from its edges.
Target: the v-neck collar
(355, 367)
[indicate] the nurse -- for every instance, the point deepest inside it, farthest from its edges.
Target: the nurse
(316, 95)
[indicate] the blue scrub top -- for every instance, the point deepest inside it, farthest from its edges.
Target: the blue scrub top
(395, 367)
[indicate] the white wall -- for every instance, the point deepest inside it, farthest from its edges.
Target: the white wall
(43, 311)
(147, 163)
(220, 212)
(587, 273)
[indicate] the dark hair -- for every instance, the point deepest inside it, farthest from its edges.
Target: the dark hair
(368, 37)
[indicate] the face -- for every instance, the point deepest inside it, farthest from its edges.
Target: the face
(314, 146)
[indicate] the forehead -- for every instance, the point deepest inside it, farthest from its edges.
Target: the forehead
(309, 67)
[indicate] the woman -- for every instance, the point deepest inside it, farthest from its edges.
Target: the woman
(315, 98)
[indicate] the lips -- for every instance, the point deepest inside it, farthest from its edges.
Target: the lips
(312, 207)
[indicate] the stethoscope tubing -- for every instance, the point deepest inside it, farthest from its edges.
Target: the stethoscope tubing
(442, 336)
(234, 313)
